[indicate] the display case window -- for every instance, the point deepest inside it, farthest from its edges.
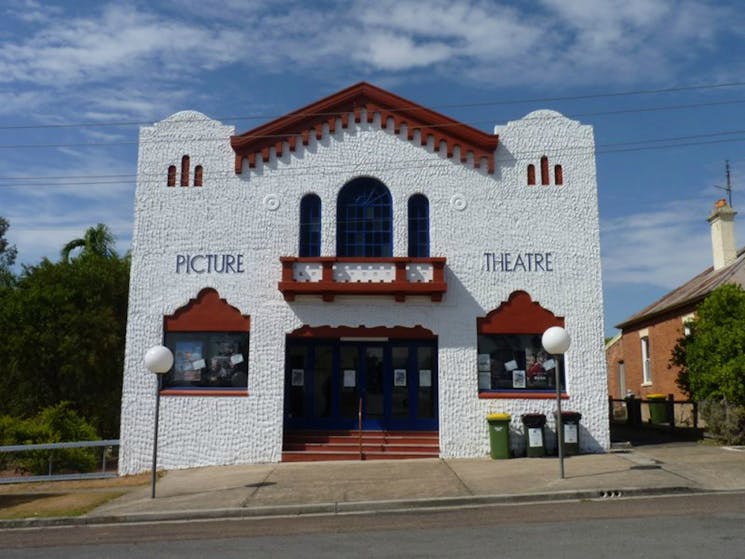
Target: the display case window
(515, 362)
(208, 360)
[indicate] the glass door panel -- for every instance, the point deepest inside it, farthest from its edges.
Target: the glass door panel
(426, 408)
(348, 381)
(322, 380)
(400, 381)
(374, 374)
(297, 362)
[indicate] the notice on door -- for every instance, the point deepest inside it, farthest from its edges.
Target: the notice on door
(425, 378)
(350, 378)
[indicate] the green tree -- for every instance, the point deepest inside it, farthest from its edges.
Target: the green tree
(714, 353)
(8, 255)
(62, 333)
(97, 240)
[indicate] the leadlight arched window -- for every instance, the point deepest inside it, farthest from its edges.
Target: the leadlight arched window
(310, 226)
(418, 225)
(364, 224)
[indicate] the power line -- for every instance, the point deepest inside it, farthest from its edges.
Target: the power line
(605, 95)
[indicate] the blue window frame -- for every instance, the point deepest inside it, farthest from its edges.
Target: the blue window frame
(364, 224)
(418, 226)
(310, 226)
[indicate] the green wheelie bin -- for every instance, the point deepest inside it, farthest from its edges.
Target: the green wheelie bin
(499, 435)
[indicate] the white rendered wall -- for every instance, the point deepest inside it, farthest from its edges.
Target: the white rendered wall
(256, 214)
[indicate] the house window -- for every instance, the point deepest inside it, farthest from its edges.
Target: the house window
(515, 361)
(646, 365)
(208, 360)
(418, 226)
(621, 379)
(364, 219)
(310, 226)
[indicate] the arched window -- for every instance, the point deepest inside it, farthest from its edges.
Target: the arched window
(185, 170)
(418, 225)
(364, 219)
(558, 175)
(198, 175)
(531, 174)
(310, 226)
(172, 175)
(544, 171)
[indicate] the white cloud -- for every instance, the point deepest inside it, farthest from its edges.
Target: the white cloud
(644, 248)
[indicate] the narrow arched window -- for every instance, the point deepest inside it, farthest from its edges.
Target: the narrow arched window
(418, 226)
(558, 175)
(364, 223)
(544, 171)
(198, 175)
(310, 226)
(185, 170)
(172, 175)
(531, 174)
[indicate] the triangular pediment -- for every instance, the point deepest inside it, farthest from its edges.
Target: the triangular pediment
(351, 105)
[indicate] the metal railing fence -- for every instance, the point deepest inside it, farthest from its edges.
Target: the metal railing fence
(107, 446)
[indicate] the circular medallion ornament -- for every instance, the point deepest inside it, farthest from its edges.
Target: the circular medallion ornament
(458, 202)
(271, 202)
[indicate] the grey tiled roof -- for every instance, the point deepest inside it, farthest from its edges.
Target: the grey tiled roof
(693, 290)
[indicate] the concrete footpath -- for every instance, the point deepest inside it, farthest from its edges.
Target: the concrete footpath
(347, 487)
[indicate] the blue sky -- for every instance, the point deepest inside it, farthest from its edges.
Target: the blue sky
(661, 81)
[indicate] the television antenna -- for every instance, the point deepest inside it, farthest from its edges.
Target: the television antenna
(727, 188)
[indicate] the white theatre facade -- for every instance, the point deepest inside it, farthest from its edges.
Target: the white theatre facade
(361, 264)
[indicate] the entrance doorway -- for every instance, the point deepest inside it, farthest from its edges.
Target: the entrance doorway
(390, 384)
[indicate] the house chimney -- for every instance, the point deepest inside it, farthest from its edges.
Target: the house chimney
(722, 220)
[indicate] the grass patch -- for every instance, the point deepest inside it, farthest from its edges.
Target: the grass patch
(44, 505)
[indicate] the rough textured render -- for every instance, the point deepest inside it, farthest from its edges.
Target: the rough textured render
(255, 213)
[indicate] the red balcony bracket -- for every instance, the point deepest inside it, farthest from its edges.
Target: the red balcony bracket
(329, 276)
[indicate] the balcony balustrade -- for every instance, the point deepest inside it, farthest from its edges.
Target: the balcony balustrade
(329, 276)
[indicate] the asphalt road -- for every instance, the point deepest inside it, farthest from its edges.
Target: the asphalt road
(663, 527)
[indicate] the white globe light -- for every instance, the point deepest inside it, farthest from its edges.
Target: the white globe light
(158, 359)
(555, 340)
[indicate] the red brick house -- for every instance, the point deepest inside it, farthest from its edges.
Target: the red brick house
(638, 358)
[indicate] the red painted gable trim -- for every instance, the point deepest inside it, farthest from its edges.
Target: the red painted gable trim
(518, 315)
(311, 118)
(207, 313)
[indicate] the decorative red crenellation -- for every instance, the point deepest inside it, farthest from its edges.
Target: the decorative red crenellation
(207, 313)
(332, 332)
(518, 315)
(312, 118)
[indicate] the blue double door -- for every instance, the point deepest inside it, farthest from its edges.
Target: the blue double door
(389, 385)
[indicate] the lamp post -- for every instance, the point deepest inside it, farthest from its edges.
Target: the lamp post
(158, 360)
(556, 342)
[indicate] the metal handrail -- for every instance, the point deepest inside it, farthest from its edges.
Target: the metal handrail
(106, 444)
